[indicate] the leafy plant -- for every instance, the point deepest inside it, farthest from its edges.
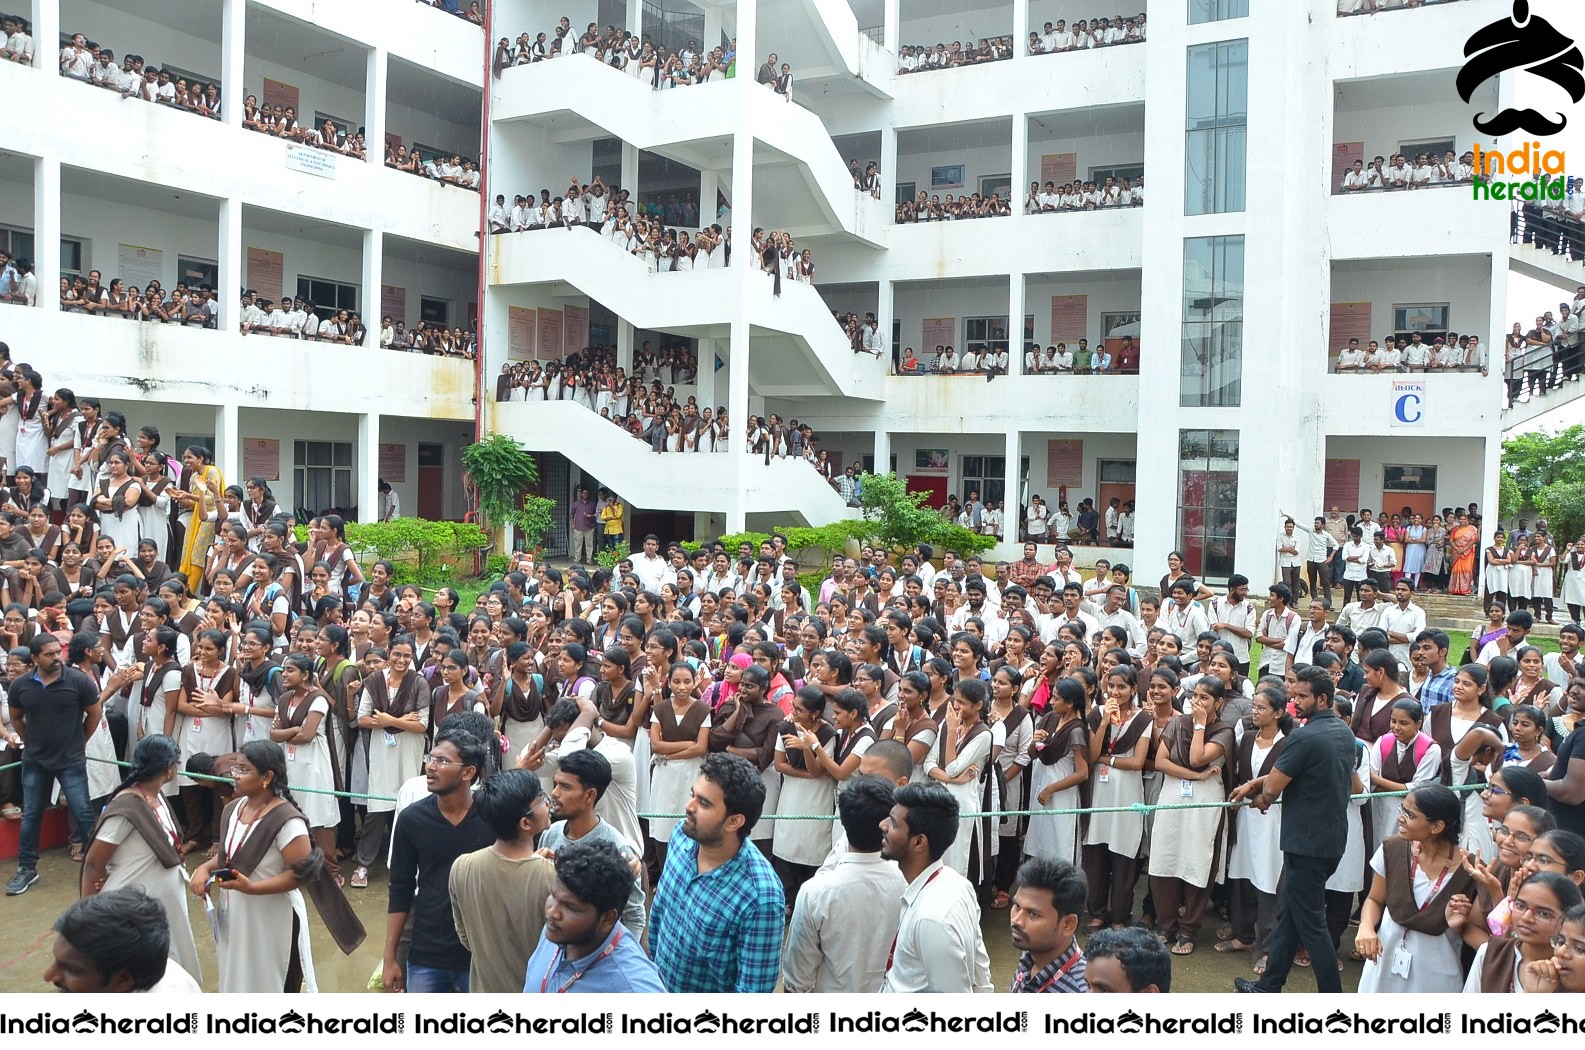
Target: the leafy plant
(416, 547)
(1545, 472)
(501, 472)
(897, 519)
(1563, 506)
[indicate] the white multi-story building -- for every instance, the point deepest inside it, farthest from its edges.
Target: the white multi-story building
(90, 180)
(1239, 282)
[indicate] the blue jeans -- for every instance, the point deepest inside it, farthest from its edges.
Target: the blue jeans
(36, 782)
(421, 979)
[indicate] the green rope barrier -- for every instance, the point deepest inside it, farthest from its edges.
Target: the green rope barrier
(13, 765)
(1137, 807)
(228, 780)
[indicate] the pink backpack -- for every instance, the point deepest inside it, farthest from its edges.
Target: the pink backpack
(1422, 744)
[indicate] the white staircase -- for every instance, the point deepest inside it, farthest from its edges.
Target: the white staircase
(700, 303)
(716, 482)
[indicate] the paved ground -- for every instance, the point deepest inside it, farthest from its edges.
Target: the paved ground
(25, 939)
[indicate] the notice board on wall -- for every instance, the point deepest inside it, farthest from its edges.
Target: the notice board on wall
(1342, 485)
(266, 273)
(261, 457)
(1058, 169)
(1070, 316)
(393, 302)
(1064, 463)
(1349, 321)
(938, 331)
(520, 333)
(550, 329)
(280, 94)
(575, 330)
(393, 463)
(1344, 154)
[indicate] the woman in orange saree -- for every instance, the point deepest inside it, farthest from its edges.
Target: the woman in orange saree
(1463, 545)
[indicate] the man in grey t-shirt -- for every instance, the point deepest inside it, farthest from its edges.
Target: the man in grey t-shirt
(580, 779)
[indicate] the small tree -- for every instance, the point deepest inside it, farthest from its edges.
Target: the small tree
(899, 520)
(501, 472)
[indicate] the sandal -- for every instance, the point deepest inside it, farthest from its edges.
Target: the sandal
(1232, 945)
(1001, 901)
(1225, 933)
(1185, 946)
(1095, 924)
(10, 813)
(78, 853)
(1302, 959)
(360, 879)
(1259, 968)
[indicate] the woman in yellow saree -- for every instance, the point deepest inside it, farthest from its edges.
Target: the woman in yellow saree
(200, 500)
(1463, 545)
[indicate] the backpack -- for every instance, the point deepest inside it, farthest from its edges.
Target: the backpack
(1422, 744)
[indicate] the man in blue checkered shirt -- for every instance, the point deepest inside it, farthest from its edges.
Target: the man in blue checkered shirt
(719, 909)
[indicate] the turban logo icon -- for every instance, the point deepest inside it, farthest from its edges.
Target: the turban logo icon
(1533, 45)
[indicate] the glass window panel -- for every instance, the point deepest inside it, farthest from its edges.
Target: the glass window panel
(342, 489)
(1201, 11)
(1208, 501)
(1201, 94)
(1212, 365)
(342, 451)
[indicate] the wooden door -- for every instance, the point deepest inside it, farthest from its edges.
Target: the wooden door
(935, 484)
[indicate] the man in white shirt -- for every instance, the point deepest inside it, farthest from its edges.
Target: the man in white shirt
(1565, 665)
(1276, 624)
(1383, 560)
(1319, 545)
(873, 342)
(499, 220)
(1355, 179)
(1232, 617)
(76, 60)
(1301, 642)
(1289, 554)
(297, 318)
(1114, 613)
(1182, 616)
(280, 323)
(837, 940)
(1351, 359)
(18, 45)
(1402, 621)
(651, 569)
(1367, 524)
(1364, 614)
(105, 72)
(1519, 623)
(938, 946)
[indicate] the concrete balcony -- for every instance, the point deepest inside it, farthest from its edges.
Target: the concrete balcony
(713, 482)
(166, 147)
(1062, 242)
(701, 303)
(969, 404)
(1455, 404)
(118, 359)
(579, 99)
(1072, 80)
(1446, 221)
(1409, 40)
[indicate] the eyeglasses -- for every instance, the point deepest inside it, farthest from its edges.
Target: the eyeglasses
(1519, 907)
(440, 761)
(1560, 943)
(242, 771)
(1495, 791)
(1502, 831)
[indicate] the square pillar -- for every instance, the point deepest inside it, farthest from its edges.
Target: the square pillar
(1020, 35)
(883, 452)
(374, 105)
(366, 461)
(228, 443)
(1015, 324)
(46, 30)
(624, 345)
(712, 27)
(705, 389)
(630, 171)
(47, 218)
(709, 184)
(885, 305)
(1020, 138)
(373, 276)
(888, 160)
(233, 57)
(893, 25)
(1012, 495)
(231, 264)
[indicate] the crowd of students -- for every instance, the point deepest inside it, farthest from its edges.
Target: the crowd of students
(194, 307)
(627, 52)
(1400, 173)
(87, 61)
(1413, 353)
(906, 699)
(1371, 7)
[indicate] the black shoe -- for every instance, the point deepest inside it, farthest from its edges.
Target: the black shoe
(1245, 985)
(20, 882)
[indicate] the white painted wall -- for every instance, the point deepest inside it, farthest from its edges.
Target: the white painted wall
(1094, 151)
(1385, 129)
(313, 93)
(990, 160)
(126, 34)
(1105, 294)
(1464, 283)
(913, 302)
(416, 124)
(974, 23)
(1458, 462)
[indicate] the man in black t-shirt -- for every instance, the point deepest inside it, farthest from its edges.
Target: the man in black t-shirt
(55, 709)
(1314, 776)
(1565, 781)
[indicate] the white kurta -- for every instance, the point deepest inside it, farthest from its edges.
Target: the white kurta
(802, 841)
(977, 753)
(308, 765)
(134, 864)
(395, 756)
(1257, 854)
(254, 941)
(1435, 966)
(1053, 837)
